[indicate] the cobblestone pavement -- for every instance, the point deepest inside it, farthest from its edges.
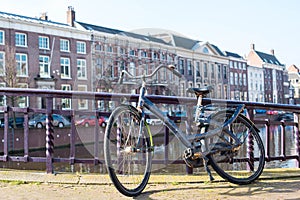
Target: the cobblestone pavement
(31, 185)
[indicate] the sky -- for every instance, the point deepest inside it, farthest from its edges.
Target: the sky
(232, 25)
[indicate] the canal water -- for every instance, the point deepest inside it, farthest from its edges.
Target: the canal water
(85, 149)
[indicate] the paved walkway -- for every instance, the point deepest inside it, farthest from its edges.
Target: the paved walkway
(273, 184)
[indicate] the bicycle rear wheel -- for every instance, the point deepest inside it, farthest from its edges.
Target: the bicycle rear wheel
(128, 153)
(243, 164)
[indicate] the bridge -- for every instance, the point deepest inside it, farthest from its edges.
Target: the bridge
(23, 150)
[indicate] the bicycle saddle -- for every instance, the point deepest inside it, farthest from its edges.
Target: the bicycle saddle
(200, 91)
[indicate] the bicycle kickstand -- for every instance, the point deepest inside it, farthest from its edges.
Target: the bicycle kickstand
(205, 162)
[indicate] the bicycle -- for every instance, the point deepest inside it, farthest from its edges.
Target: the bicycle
(226, 140)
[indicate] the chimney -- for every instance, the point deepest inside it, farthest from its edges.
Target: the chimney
(71, 16)
(272, 52)
(252, 47)
(44, 16)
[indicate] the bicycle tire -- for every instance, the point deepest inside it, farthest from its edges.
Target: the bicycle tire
(244, 165)
(128, 169)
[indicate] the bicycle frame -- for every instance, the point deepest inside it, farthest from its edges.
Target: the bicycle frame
(184, 138)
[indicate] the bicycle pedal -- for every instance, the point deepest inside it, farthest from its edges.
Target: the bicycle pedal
(188, 153)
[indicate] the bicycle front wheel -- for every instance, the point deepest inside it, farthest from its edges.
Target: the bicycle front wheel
(243, 164)
(127, 151)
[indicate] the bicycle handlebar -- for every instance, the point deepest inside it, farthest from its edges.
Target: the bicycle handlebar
(169, 67)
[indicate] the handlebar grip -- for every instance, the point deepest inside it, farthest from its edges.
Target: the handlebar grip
(177, 73)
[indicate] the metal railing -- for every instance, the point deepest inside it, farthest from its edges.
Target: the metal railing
(50, 95)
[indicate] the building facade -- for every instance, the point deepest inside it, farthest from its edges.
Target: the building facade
(237, 77)
(85, 57)
(273, 75)
(43, 54)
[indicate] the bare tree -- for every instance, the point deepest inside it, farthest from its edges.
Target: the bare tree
(10, 77)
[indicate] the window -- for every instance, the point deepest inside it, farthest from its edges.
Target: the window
(155, 56)
(44, 66)
(144, 54)
(197, 68)
(81, 69)
(122, 51)
(205, 50)
(2, 37)
(240, 79)
(98, 47)
(109, 49)
(231, 78)
(21, 40)
(66, 103)
(244, 66)
(132, 53)
(189, 66)
(212, 67)
(236, 78)
(245, 79)
(235, 65)
(22, 102)
(181, 66)
(43, 42)
(225, 72)
(81, 47)
(2, 98)
(65, 68)
(205, 70)
(231, 64)
(2, 63)
(22, 67)
(82, 103)
(132, 68)
(64, 45)
(219, 71)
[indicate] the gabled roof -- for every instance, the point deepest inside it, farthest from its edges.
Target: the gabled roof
(217, 50)
(293, 68)
(231, 54)
(30, 19)
(268, 58)
(120, 32)
(184, 42)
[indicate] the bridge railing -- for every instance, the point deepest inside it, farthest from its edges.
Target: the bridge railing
(71, 157)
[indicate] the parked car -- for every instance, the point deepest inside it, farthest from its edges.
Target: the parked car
(39, 121)
(260, 111)
(285, 117)
(272, 112)
(90, 121)
(18, 121)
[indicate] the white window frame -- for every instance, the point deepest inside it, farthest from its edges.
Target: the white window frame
(81, 47)
(2, 37)
(44, 66)
(81, 69)
(21, 39)
(66, 103)
(82, 103)
(22, 102)
(20, 64)
(2, 98)
(2, 63)
(64, 45)
(65, 66)
(44, 42)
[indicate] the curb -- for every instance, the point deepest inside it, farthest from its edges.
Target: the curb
(26, 176)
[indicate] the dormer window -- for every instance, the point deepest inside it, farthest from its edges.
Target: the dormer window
(205, 50)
